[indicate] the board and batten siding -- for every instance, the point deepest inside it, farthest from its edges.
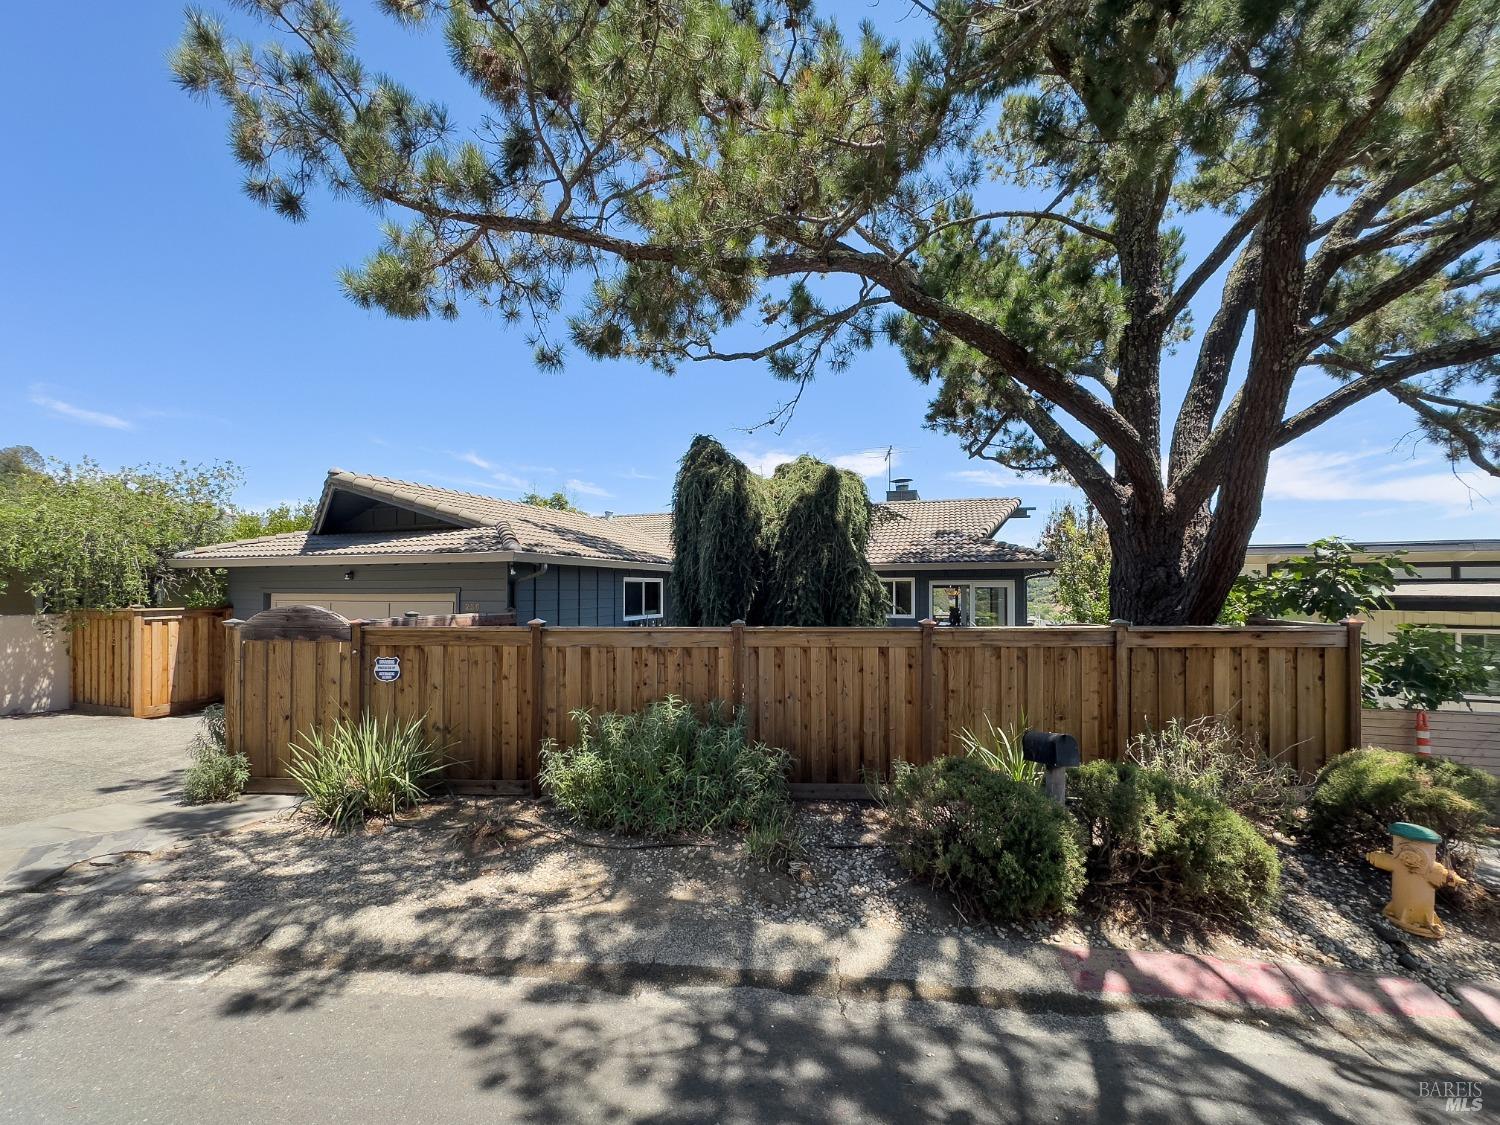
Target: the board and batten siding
(578, 595)
(477, 587)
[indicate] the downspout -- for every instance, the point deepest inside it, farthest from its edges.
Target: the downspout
(510, 593)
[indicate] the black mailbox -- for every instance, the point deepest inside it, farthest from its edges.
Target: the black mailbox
(1052, 750)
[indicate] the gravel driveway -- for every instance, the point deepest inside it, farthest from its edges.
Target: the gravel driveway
(58, 763)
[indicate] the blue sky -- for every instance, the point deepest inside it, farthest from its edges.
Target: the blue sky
(149, 312)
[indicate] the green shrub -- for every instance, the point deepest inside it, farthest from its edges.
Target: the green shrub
(1000, 846)
(1146, 830)
(1360, 792)
(372, 766)
(666, 770)
(1211, 757)
(999, 748)
(214, 775)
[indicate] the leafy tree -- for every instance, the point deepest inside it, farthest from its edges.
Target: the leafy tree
(1326, 583)
(717, 531)
(1038, 194)
(1422, 667)
(275, 520)
(1079, 542)
(81, 538)
(557, 502)
(17, 460)
(790, 550)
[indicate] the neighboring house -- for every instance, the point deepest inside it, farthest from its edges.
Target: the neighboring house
(1456, 588)
(381, 548)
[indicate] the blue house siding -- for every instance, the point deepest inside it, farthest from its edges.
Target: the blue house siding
(477, 587)
(925, 578)
(575, 595)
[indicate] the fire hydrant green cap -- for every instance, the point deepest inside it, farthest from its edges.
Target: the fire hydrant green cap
(1415, 832)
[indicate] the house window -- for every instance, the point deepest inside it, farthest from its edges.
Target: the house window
(1480, 571)
(1426, 572)
(970, 603)
(642, 598)
(900, 597)
(1490, 643)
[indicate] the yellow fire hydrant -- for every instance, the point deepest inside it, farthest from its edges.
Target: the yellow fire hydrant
(1415, 876)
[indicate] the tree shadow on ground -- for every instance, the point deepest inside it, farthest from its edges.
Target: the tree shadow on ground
(306, 911)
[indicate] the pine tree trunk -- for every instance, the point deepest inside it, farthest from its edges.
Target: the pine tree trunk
(1161, 572)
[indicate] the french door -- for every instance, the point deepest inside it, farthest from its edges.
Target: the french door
(971, 603)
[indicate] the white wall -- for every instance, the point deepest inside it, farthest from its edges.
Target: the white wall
(34, 672)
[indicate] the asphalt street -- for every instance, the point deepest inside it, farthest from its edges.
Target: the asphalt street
(247, 1046)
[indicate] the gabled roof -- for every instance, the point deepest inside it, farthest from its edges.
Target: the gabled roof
(906, 532)
(945, 531)
(483, 525)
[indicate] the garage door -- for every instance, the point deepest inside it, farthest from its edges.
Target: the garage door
(370, 606)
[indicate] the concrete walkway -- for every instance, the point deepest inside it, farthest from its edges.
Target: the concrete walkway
(37, 850)
(76, 787)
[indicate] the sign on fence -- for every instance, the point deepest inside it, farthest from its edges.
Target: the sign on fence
(387, 669)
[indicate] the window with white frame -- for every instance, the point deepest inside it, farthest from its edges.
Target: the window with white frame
(900, 596)
(643, 598)
(1489, 642)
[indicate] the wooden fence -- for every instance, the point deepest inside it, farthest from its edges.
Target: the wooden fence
(146, 662)
(845, 702)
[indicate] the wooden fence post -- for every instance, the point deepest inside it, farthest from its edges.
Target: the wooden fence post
(1355, 676)
(234, 675)
(1120, 727)
(737, 660)
(929, 691)
(356, 671)
(140, 671)
(538, 703)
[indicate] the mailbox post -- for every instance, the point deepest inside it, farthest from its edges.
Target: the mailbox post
(1054, 753)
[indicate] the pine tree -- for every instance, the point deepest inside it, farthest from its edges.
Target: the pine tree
(1033, 197)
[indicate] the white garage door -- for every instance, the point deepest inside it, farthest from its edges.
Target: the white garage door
(370, 606)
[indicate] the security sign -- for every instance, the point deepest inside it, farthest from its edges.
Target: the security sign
(387, 669)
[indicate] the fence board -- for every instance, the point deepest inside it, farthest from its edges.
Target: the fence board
(147, 662)
(845, 703)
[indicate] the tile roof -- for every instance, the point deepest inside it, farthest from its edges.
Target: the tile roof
(933, 531)
(906, 531)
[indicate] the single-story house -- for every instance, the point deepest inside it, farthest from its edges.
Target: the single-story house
(1456, 588)
(381, 548)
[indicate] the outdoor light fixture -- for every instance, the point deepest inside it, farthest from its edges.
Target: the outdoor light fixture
(348, 576)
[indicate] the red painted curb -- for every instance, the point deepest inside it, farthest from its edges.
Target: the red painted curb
(1262, 984)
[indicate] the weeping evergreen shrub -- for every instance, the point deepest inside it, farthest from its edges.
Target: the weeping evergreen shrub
(716, 531)
(784, 551)
(817, 532)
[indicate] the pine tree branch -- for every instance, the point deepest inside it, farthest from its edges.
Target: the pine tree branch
(1448, 421)
(1210, 265)
(1376, 379)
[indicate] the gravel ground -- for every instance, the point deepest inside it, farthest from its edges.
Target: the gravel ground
(509, 855)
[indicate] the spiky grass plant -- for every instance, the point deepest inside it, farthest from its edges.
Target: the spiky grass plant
(999, 749)
(370, 767)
